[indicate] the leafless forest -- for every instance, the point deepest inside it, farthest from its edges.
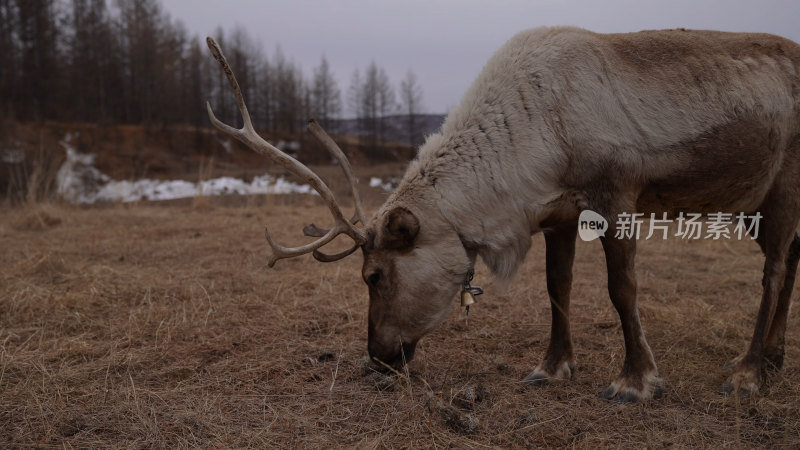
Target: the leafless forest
(127, 62)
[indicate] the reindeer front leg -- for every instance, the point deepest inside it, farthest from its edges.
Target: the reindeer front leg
(559, 361)
(639, 378)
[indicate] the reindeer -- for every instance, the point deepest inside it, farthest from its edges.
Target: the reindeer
(561, 120)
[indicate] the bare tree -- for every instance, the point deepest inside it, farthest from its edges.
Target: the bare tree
(369, 103)
(266, 92)
(326, 99)
(411, 99)
(386, 102)
(196, 83)
(288, 96)
(354, 101)
(9, 57)
(172, 73)
(139, 30)
(245, 55)
(377, 100)
(38, 38)
(91, 48)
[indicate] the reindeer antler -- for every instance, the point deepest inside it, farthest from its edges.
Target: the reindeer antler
(248, 136)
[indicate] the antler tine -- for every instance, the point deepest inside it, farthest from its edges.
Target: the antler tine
(315, 231)
(325, 257)
(248, 136)
(281, 252)
(337, 153)
(344, 163)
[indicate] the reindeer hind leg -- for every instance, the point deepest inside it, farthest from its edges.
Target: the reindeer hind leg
(781, 213)
(776, 338)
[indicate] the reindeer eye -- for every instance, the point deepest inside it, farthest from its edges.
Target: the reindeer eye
(373, 279)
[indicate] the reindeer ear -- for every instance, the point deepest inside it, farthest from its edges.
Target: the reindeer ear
(401, 229)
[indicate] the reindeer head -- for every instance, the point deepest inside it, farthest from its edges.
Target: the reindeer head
(414, 261)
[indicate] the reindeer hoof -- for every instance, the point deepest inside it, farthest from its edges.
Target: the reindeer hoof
(541, 376)
(536, 379)
(613, 395)
(728, 389)
(745, 383)
(625, 391)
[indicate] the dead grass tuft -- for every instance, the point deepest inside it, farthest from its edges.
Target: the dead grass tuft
(453, 417)
(43, 266)
(37, 218)
(160, 326)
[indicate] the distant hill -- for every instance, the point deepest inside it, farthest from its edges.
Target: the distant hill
(396, 127)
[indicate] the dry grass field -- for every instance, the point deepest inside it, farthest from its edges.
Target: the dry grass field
(161, 326)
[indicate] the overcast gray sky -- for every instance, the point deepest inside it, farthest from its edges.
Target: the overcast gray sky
(446, 42)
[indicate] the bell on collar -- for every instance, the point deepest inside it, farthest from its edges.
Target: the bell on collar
(467, 298)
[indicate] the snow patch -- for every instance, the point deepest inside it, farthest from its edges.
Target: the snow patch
(288, 145)
(227, 145)
(13, 154)
(79, 181)
(377, 182)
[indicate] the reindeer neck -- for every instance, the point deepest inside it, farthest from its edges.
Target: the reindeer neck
(483, 186)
